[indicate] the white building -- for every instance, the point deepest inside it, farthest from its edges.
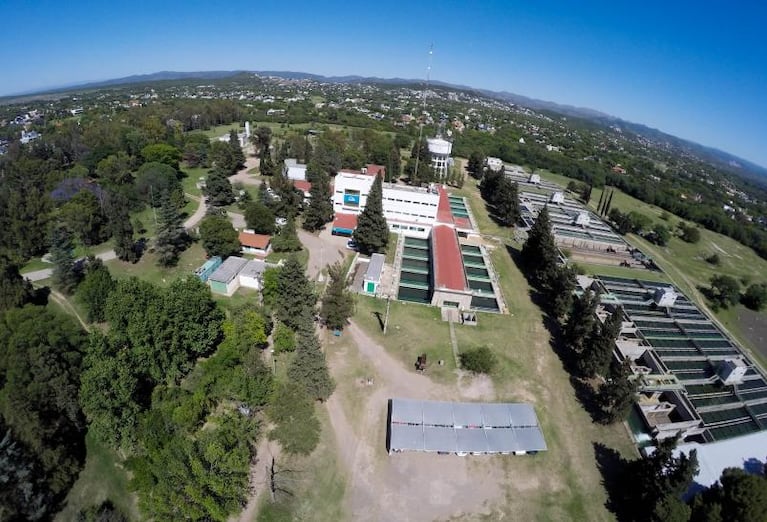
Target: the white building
(294, 170)
(440, 155)
(412, 209)
(494, 164)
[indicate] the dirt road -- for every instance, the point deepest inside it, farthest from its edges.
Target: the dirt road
(242, 175)
(408, 486)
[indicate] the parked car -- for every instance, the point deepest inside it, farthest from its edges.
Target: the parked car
(351, 245)
(280, 222)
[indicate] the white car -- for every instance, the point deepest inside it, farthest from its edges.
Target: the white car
(351, 245)
(280, 222)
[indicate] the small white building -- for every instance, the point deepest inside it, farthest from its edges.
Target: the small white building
(494, 164)
(440, 150)
(558, 198)
(583, 219)
(732, 371)
(534, 179)
(372, 279)
(225, 280)
(665, 297)
(294, 170)
(252, 273)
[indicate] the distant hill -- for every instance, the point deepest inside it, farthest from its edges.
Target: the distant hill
(719, 158)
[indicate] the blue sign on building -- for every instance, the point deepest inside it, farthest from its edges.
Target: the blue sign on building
(351, 199)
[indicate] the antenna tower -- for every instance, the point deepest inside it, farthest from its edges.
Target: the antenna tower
(423, 109)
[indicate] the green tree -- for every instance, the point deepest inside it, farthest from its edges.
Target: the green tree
(284, 338)
(295, 296)
(40, 378)
(581, 320)
(320, 209)
(222, 158)
(755, 296)
(660, 235)
(539, 253)
(120, 226)
(490, 186)
(162, 153)
(738, 496)
(598, 351)
(724, 291)
(476, 165)
(66, 275)
(617, 394)
(689, 233)
(270, 287)
(372, 232)
(115, 170)
(237, 155)
(478, 360)
(287, 239)
(219, 238)
(419, 169)
(156, 181)
(337, 302)
(83, 217)
(218, 189)
(24, 493)
(95, 289)
(171, 239)
(309, 367)
(15, 290)
(393, 165)
(507, 202)
(296, 426)
(559, 291)
(259, 218)
(109, 394)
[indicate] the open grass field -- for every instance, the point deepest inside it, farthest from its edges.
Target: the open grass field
(478, 209)
(148, 270)
(102, 478)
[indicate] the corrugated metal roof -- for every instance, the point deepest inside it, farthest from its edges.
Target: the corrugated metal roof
(228, 270)
(463, 427)
(375, 267)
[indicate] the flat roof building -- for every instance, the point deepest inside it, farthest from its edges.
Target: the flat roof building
(463, 427)
(225, 279)
(373, 274)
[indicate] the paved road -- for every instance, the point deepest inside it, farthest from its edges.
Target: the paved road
(45, 273)
(195, 218)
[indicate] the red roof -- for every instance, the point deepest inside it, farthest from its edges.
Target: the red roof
(444, 215)
(345, 221)
(303, 186)
(260, 241)
(448, 263)
(374, 169)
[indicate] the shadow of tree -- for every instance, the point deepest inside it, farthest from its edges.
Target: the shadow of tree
(612, 466)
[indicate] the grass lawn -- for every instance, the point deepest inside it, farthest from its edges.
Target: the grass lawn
(485, 223)
(35, 264)
(193, 175)
(220, 130)
(316, 485)
(102, 478)
(621, 271)
(148, 270)
(391, 248)
(413, 329)
(276, 257)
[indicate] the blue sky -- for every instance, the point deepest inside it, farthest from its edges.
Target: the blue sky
(694, 69)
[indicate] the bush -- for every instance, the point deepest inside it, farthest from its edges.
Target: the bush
(479, 360)
(713, 259)
(755, 296)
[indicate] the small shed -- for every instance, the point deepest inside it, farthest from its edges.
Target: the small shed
(372, 279)
(225, 280)
(344, 224)
(256, 244)
(251, 274)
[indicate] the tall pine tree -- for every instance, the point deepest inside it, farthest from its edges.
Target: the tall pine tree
(118, 214)
(372, 232)
(580, 322)
(320, 209)
(237, 155)
(539, 253)
(507, 202)
(337, 303)
(66, 276)
(295, 296)
(393, 165)
(172, 239)
(309, 367)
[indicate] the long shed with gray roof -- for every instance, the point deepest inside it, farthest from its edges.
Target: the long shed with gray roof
(463, 427)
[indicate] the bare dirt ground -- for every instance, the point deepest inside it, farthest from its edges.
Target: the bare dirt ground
(324, 249)
(242, 175)
(259, 478)
(408, 486)
(195, 218)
